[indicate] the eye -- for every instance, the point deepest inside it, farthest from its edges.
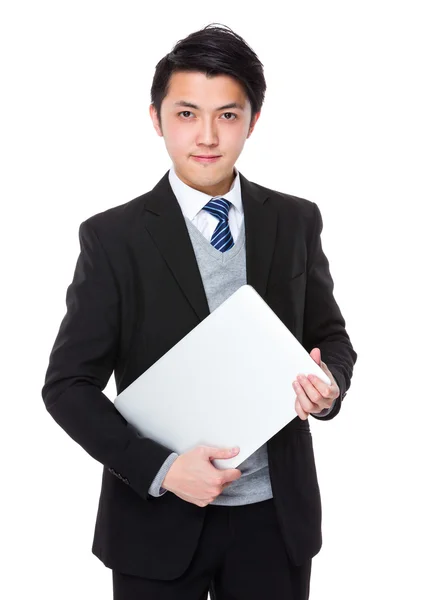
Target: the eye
(230, 113)
(184, 112)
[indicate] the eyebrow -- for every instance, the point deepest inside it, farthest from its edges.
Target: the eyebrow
(191, 105)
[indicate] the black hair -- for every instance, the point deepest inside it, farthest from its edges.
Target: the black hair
(212, 50)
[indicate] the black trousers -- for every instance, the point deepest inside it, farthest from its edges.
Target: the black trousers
(240, 556)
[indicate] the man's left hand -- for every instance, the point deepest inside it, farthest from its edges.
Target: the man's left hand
(313, 394)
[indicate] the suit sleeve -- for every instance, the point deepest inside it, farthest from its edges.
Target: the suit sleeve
(80, 365)
(324, 325)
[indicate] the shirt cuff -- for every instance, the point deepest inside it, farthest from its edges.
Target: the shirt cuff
(156, 488)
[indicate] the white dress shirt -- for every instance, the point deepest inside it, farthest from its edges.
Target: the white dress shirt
(192, 201)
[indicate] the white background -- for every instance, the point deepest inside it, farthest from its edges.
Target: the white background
(341, 125)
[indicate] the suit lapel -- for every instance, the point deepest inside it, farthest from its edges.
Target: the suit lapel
(261, 221)
(166, 224)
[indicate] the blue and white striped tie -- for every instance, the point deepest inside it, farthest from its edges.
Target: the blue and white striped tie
(222, 238)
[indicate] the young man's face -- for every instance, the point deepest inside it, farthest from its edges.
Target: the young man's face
(207, 130)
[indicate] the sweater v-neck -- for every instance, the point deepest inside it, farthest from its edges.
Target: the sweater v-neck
(222, 257)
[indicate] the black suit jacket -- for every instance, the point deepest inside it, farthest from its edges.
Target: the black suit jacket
(136, 292)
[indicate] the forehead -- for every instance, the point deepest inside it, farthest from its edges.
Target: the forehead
(206, 92)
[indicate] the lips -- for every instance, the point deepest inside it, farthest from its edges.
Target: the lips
(206, 159)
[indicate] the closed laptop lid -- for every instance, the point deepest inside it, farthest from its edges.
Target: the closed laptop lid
(227, 383)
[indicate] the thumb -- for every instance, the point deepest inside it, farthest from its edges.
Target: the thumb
(230, 475)
(316, 355)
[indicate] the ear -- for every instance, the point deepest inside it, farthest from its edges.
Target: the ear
(155, 119)
(253, 124)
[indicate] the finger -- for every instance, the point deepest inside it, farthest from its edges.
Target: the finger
(305, 402)
(300, 411)
(212, 452)
(323, 388)
(312, 393)
(312, 401)
(316, 355)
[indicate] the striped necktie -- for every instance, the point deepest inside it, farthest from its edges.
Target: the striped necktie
(222, 238)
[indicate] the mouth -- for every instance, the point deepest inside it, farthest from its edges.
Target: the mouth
(206, 159)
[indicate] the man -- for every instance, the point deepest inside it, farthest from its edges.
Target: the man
(151, 270)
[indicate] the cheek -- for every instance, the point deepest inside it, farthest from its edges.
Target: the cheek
(235, 136)
(178, 139)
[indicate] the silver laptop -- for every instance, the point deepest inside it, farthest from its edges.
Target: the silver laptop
(227, 383)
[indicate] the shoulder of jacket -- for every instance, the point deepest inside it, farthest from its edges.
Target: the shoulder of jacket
(117, 218)
(289, 201)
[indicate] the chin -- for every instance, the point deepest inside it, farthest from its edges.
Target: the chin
(210, 172)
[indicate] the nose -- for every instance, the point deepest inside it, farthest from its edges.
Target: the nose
(207, 133)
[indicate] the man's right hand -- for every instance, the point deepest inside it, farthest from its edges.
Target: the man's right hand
(193, 478)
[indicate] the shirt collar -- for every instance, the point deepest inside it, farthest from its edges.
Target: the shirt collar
(192, 201)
